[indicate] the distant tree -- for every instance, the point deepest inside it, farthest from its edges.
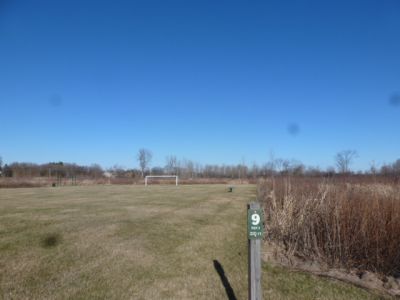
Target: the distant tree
(373, 169)
(330, 171)
(268, 169)
(396, 166)
(386, 170)
(242, 170)
(313, 171)
(186, 168)
(297, 168)
(1, 166)
(344, 159)
(144, 157)
(279, 164)
(286, 166)
(189, 166)
(117, 171)
(171, 164)
(391, 169)
(198, 169)
(7, 171)
(255, 170)
(95, 171)
(157, 171)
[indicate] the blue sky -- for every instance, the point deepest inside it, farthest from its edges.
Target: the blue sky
(212, 81)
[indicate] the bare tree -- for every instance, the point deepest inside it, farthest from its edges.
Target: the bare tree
(255, 170)
(396, 166)
(344, 159)
(144, 157)
(242, 168)
(172, 164)
(186, 168)
(373, 168)
(190, 168)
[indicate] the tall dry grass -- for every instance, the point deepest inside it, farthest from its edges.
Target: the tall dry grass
(353, 223)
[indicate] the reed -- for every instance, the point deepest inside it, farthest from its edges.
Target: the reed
(352, 223)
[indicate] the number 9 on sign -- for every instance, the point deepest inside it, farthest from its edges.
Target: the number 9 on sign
(255, 227)
(255, 219)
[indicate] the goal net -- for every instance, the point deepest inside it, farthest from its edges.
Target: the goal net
(146, 179)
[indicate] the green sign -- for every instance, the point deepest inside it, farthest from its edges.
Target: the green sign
(255, 224)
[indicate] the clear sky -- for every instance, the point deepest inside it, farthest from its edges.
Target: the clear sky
(212, 81)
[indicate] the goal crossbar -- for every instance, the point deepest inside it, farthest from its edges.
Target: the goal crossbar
(161, 176)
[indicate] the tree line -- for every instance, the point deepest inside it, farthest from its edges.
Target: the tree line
(189, 169)
(51, 169)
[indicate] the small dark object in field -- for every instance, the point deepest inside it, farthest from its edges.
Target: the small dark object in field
(53, 184)
(230, 189)
(51, 240)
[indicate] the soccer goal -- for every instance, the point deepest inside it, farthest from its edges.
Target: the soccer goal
(161, 176)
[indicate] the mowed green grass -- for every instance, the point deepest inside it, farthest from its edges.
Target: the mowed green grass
(132, 242)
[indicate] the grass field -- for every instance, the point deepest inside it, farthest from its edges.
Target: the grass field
(131, 242)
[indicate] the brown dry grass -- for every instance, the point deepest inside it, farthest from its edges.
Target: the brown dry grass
(132, 242)
(352, 223)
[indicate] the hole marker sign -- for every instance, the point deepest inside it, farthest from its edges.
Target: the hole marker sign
(255, 224)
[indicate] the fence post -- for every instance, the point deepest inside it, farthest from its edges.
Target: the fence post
(255, 232)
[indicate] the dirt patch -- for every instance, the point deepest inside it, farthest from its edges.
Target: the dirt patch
(50, 240)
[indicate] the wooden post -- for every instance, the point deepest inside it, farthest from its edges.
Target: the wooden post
(254, 263)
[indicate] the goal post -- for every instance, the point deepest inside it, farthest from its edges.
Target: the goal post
(161, 176)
